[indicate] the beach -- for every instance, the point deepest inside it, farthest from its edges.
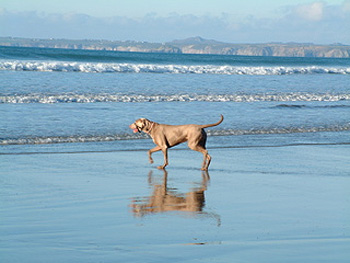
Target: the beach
(76, 185)
(256, 204)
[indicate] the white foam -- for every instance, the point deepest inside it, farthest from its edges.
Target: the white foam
(172, 69)
(230, 132)
(124, 98)
(137, 136)
(70, 139)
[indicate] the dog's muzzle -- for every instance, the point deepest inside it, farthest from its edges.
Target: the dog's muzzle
(135, 128)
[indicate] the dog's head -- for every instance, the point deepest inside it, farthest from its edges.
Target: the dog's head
(139, 125)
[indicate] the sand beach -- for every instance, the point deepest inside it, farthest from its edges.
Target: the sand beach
(256, 204)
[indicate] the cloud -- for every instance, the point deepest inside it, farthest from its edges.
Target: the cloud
(316, 22)
(313, 11)
(151, 27)
(346, 6)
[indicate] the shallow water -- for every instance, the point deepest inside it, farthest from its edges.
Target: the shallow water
(43, 105)
(269, 204)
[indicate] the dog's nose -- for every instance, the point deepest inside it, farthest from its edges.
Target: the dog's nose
(134, 127)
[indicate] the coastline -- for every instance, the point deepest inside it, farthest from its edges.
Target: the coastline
(269, 204)
(194, 45)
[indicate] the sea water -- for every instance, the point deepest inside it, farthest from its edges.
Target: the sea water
(60, 100)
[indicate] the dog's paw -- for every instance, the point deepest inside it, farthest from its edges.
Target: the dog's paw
(151, 161)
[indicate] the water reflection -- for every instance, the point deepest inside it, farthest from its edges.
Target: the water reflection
(165, 199)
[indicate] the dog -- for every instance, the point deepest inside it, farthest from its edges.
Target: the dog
(167, 136)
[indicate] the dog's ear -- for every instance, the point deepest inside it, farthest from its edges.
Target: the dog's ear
(143, 123)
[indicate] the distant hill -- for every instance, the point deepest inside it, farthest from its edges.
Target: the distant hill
(195, 40)
(193, 45)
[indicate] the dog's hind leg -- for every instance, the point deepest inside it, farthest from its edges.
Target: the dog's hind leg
(206, 159)
(206, 156)
(198, 144)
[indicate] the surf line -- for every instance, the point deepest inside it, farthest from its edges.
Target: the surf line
(182, 149)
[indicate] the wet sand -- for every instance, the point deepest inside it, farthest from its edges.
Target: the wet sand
(268, 204)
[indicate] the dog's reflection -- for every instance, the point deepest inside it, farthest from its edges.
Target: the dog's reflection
(165, 199)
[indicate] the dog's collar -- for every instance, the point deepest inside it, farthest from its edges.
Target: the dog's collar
(150, 129)
(141, 129)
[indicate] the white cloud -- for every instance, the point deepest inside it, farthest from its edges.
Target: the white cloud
(313, 11)
(346, 6)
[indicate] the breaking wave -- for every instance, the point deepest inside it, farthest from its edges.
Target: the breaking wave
(129, 136)
(95, 98)
(298, 106)
(59, 66)
(70, 139)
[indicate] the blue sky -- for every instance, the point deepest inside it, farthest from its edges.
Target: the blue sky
(248, 21)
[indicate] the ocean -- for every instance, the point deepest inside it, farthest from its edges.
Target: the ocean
(76, 185)
(61, 100)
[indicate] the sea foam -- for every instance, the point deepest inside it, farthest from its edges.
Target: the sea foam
(59, 66)
(138, 136)
(138, 98)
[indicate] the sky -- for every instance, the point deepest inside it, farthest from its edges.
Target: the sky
(233, 21)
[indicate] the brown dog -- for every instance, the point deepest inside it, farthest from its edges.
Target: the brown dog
(166, 136)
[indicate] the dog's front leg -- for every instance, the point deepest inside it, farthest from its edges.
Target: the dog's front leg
(165, 153)
(155, 149)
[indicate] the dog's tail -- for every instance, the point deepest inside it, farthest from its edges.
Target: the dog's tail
(214, 124)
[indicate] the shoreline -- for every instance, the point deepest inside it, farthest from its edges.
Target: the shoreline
(176, 148)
